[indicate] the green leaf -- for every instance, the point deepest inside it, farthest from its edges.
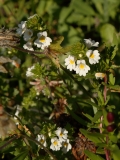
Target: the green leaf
(21, 156)
(100, 96)
(105, 117)
(92, 156)
(88, 116)
(111, 79)
(91, 136)
(108, 32)
(88, 102)
(115, 151)
(77, 118)
(82, 7)
(97, 116)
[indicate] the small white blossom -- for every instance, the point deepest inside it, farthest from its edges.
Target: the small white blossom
(16, 61)
(82, 68)
(99, 75)
(66, 146)
(28, 46)
(55, 144)
(93, 56)
(61, 133)
(70, 63)
(42, 41)
(42, 139)
(29, 71)
(21, 28)
(91, 43)
(28, 34)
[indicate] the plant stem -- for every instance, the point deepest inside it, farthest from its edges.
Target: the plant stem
(33, 140)
(107, 154)
(8, 142)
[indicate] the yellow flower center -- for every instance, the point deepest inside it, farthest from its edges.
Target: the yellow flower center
(71, 62)
(61, 134)
(42, 39)
(92, 55)
(55, 143)
(81, 66)
(65, 144)
(42, 141)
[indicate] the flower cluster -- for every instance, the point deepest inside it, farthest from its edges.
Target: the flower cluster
(60, 141)
(33, 38)
(80, 66)
(57, 142)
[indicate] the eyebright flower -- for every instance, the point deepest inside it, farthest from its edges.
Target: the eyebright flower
(82, 68)
(55, 144)
(28, 46)
(27, 34)
(21, 28)
(91, 43)
(93, 56)
(42, 139)
(42, 41)
(28, 72)
(61, 133)
(70, 63)
(99, 75)
(66, 146)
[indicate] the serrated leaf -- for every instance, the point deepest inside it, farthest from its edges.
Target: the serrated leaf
(92, 156)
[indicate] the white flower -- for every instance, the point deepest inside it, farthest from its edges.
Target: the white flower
(66, 146)
(28, 46)
(27, 34)
(99, 75)
(28, 72)
(16, 61)
(42, 41)
(70, 63)
(82, 68)
(91, 43)
(61, 133)
(21, 28)
(42, 139)
(93, 56)
(55, 144)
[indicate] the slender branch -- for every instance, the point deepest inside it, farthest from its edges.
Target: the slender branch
(28, 51)
(33, 140)
(8, 142)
